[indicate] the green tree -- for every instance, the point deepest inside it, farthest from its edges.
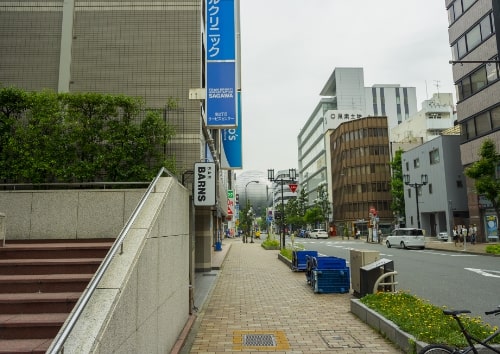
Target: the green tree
(323, 204)
(302, 206)
(485, 175)
(313, 216)
(397, 185)
(292, 216)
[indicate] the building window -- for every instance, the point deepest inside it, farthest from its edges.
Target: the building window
(430, 188)
(478, 79)
(416, 163)
(459, 183)
(409, 192)
(470, 129)
(374, 97)
(483, 125)
(407, 166)
(382, 100)
(495, 117)
(492, 72)
(485, 26)
(472, 38)
(434, 157)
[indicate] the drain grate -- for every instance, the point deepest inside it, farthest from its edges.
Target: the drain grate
(259, 340)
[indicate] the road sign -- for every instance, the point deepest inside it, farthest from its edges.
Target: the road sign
(293, 187)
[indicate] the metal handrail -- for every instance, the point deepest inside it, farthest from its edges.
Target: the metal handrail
(59, 341)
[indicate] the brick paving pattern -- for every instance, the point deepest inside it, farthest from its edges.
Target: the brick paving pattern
(259, 297)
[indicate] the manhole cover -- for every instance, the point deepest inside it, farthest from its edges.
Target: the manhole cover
(259, 340)
(339, 339)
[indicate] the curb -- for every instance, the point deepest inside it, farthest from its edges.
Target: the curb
(387, 328)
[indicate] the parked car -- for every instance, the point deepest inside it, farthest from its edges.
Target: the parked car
(443, 236)
(406, 238)
(319, 233)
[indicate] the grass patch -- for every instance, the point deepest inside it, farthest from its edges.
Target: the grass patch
(425, 321)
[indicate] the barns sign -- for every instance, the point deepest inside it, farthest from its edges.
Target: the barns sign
(204, 184)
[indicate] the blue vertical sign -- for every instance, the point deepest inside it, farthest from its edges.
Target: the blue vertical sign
(231, 152)
(221, 64)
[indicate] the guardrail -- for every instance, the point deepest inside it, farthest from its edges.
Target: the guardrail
(57, 345)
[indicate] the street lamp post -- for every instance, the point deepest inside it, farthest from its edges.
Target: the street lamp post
(247, 200)
(292, 175)
(250, 217)
(424, 180)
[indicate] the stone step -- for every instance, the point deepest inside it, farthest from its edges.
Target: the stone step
(43, 283)
(32, 303)
(49, 266)
(25, 346)
(31, 326)
(51, 250)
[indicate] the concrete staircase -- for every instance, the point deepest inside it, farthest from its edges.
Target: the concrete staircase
(40, 282)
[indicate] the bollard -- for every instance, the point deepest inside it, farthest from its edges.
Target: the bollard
(2, 229)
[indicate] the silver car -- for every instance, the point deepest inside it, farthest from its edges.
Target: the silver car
(406, 238)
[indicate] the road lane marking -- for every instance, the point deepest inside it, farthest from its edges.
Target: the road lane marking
(485, 272)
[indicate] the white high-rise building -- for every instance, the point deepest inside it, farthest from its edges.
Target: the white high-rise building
(345, 97)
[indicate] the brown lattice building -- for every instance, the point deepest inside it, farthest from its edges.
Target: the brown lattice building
(360, 174)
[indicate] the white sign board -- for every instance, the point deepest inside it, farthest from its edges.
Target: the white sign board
(204, 184)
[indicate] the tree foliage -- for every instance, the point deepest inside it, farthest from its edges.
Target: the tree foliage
(79, 137)
(485, 175)
(397, 185)
(323, 204)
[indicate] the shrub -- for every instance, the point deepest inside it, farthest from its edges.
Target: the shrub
(493, 249)
(271, 244)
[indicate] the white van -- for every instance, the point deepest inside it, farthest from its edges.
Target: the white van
(406, 238)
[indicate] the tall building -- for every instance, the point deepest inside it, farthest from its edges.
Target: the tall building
(475, 48)
(149, 49)
(346, 98)
(359, 173)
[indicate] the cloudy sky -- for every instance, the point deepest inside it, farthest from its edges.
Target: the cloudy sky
(290, 48)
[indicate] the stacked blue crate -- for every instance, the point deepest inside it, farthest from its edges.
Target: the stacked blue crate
(328, 275)
(331, 281)
(299, 259)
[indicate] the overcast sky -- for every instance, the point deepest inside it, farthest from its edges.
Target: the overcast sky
(291, 47)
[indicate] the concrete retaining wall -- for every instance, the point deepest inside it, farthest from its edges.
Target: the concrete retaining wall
(142, 303)
(67, 214)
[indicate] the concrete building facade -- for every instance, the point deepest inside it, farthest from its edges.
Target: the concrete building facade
(147, 49)
(442, 202)
(475, 44)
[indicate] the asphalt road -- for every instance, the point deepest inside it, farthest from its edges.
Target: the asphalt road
(449, 279)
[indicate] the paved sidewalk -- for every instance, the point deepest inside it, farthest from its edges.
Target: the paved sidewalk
(258, 305)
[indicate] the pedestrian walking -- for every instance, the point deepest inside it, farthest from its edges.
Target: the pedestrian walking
(473, 231)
